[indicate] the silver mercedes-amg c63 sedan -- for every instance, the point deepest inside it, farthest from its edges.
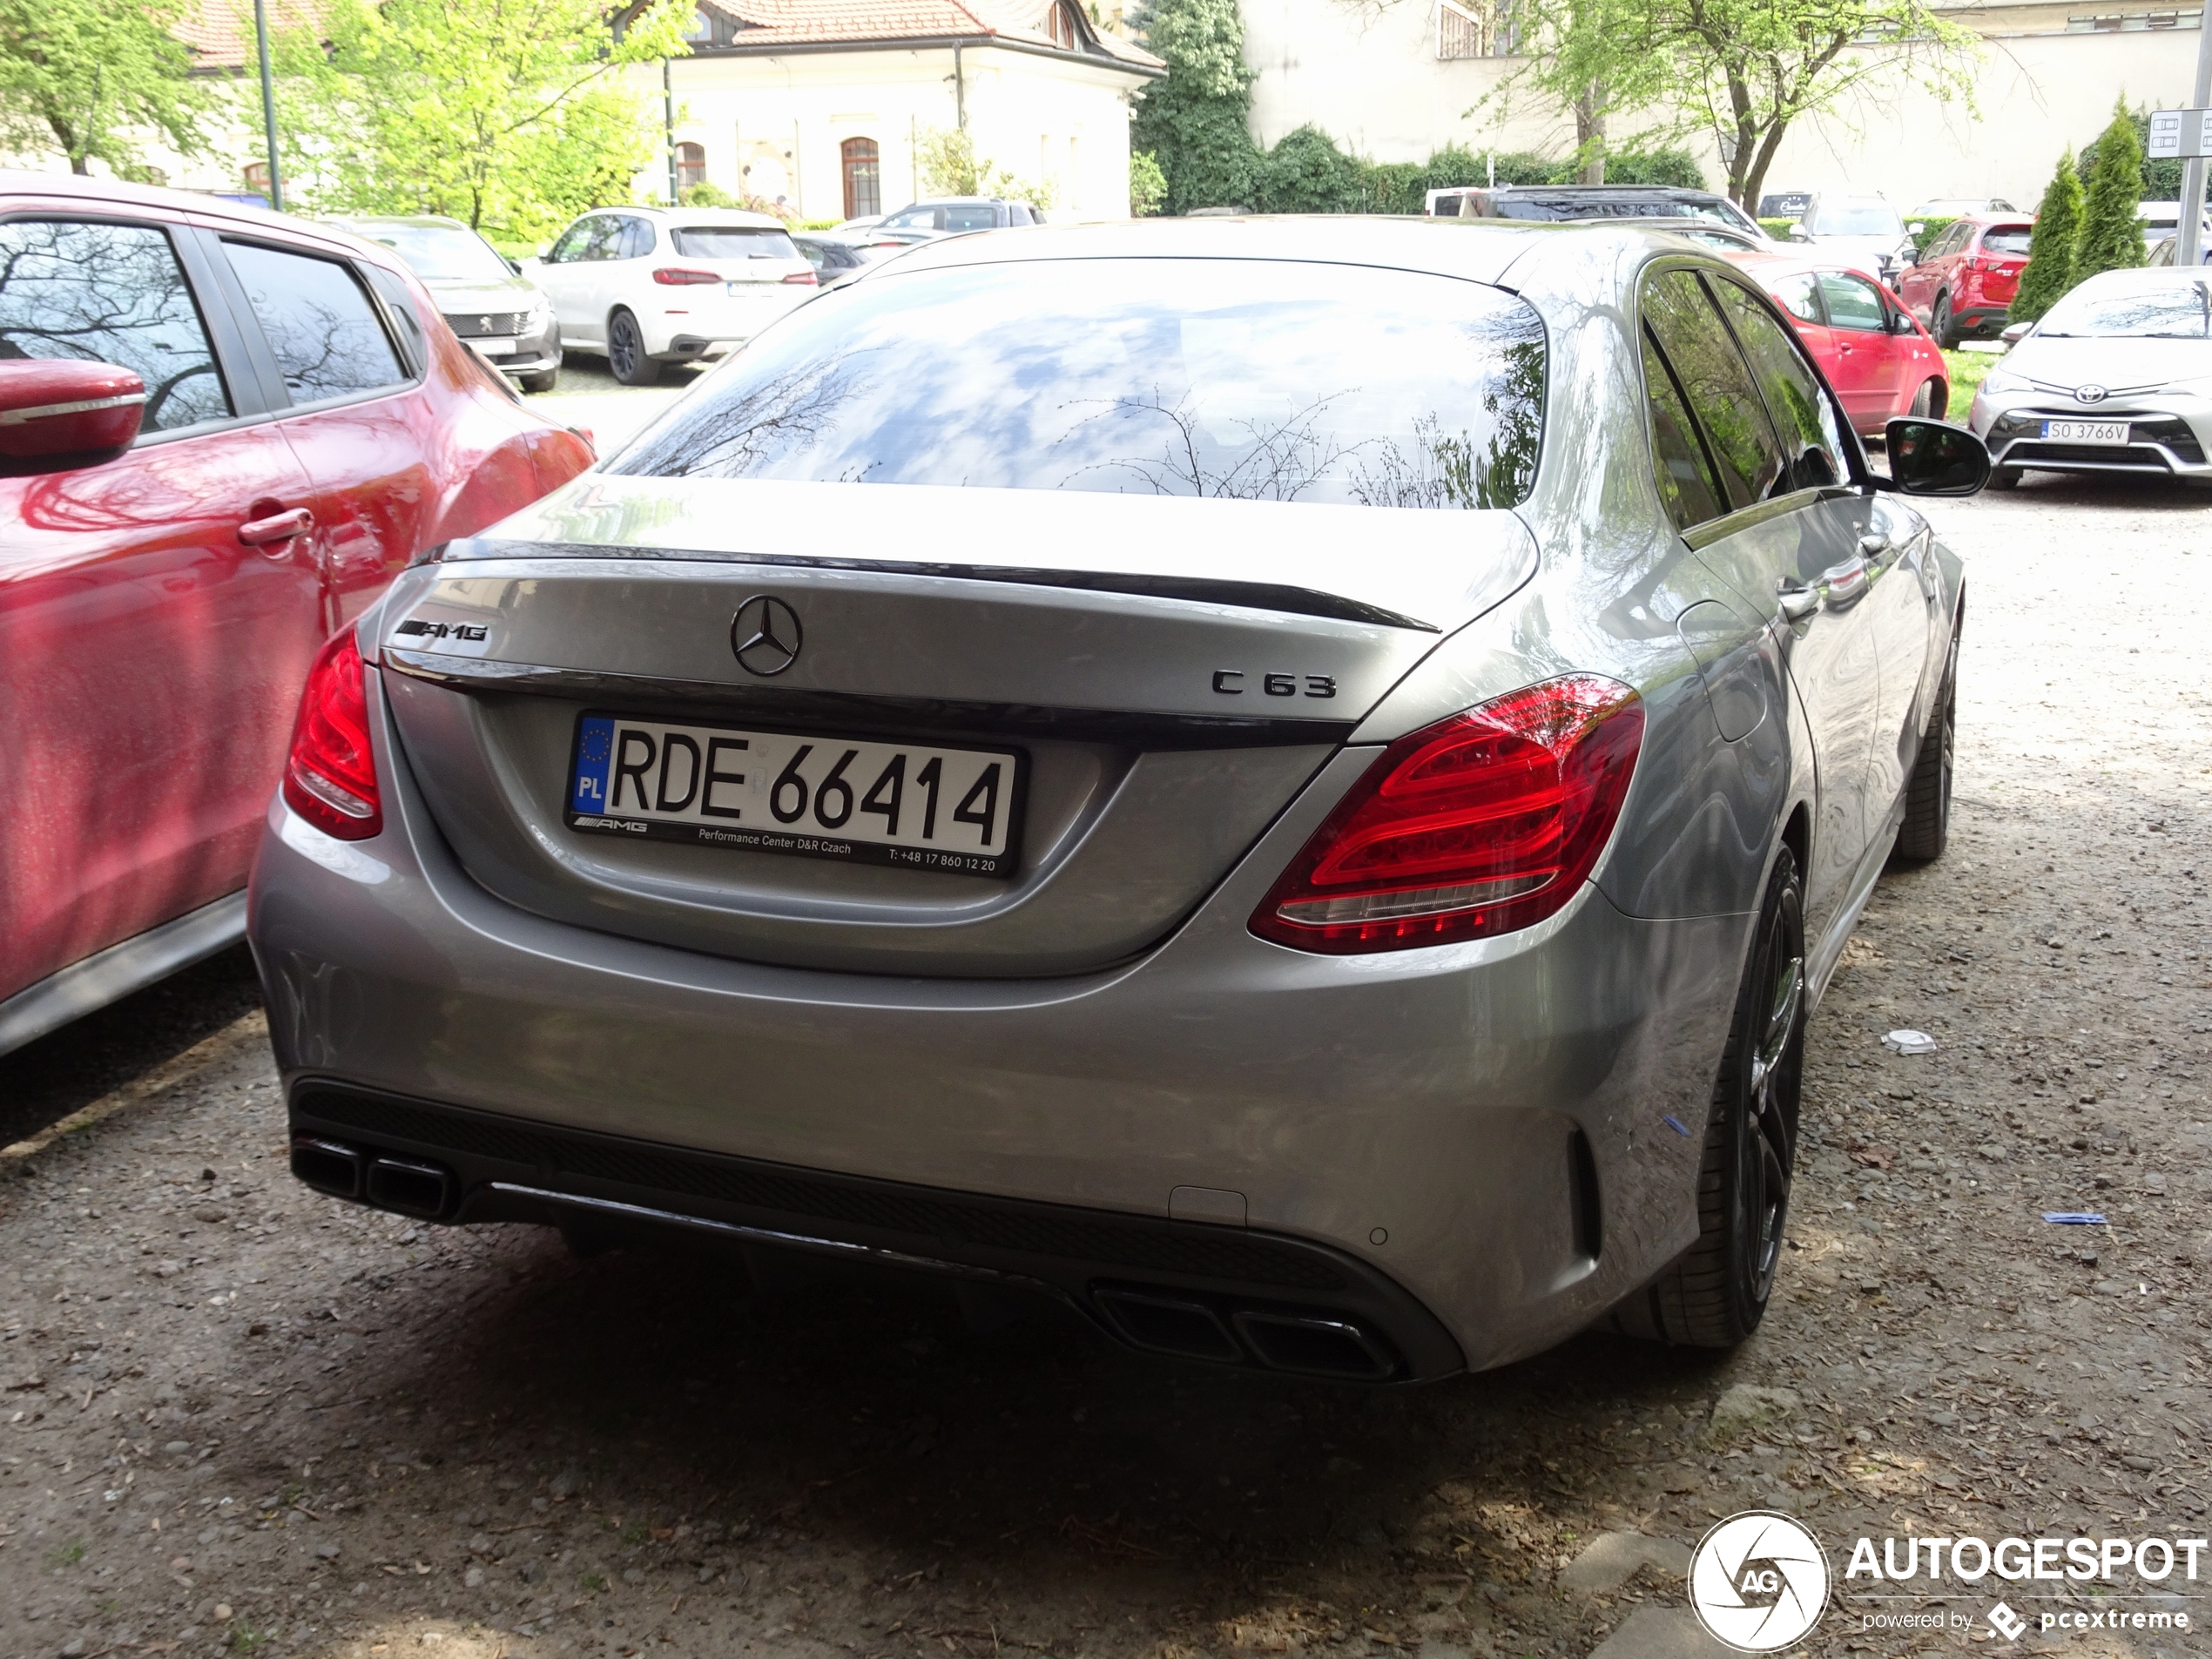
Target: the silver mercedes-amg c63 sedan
(1310, 837)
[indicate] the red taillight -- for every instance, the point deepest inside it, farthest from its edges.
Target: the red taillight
(678, 276)
(1478, 825)
(805, 279)
(330, 778)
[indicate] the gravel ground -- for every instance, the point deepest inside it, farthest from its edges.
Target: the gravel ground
(240, 1416)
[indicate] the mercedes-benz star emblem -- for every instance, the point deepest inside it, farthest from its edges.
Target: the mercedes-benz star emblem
(2090, 394)
(765, 635)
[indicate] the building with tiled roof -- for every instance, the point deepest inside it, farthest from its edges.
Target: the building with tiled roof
(822, 106)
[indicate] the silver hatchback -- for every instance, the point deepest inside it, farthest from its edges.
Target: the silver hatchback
(1315, 847)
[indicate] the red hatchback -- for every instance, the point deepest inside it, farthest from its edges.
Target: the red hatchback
(1963, 282)
(221, 433)
(1878, 357)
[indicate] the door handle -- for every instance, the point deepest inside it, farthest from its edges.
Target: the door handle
(1798, 599)
(277, 527)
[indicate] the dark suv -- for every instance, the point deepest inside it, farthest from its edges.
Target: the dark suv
(919, 221)
(1593, 201)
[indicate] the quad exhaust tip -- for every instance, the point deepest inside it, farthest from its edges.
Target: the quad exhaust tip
(1311, 1345)
(327, 1167)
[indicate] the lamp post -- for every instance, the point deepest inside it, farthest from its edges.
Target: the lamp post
(268, 103)
(2190, 249)
(668, 127)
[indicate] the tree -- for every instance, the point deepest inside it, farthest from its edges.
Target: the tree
(2050, 261)
(2161, 177)
(1745, 70)
(2112, 239)
(503, 114)
(1195, 120)
(91, 78)
(1306, 173)
(951, 168)
(1148, 186)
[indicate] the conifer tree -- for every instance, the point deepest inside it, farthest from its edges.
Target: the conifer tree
(2111, 239)
(2050, 264)
(1196, 121)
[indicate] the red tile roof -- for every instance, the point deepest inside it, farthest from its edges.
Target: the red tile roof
(219, 33)
(1027, 22)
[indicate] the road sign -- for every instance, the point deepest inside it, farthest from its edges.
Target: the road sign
(2176, 133)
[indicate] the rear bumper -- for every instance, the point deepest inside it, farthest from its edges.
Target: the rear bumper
(1983, 319)
(1474, 1138)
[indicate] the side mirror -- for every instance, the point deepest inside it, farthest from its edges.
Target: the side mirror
(1799, 234)
(1914, 229)
(1934, 458)
(516, 266)
(2015, 334)
(1912, 255)
(52, 407)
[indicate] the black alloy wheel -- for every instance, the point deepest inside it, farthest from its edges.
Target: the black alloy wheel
(1945, 328)
(626, 352)
(1715, 1296)
(1928, 793)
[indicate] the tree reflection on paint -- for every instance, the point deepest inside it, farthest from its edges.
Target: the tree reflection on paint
(1258, 380)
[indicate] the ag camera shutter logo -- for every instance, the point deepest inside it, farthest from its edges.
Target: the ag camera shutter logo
(1758, 1581)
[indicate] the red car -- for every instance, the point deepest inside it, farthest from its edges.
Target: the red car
(1875, 353)
(222, 432)
(1964, 280)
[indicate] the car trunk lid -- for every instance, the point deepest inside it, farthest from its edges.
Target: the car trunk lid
(1164, 675)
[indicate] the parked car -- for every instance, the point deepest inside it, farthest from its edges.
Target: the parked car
(2116, 377)
(854, 227)
(1863, 232)
(2169, 250)
(490, 305)
(1962, 283)
(1591, 202)
(837, 259)
(950, 216)
(1289, 851)
(2161, 221)
(1880, 361)
(1959, 207)
(654, 286)
(222, 433)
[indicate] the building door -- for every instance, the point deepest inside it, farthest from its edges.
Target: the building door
(863, 179)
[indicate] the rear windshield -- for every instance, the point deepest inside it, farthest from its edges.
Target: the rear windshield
(2011, 239)
(732, 242)
(441, 252)
(1258, 380)
(2182, 311)
(1838, 219)
(1569, 207)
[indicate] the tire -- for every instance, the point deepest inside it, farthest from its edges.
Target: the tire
(2003, 478)
(544, 380)
(626, 352)
(1924, 402)
(1715, 1296)
(1920, 839)
(1943, 326)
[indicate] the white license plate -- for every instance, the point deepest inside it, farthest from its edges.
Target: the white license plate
(860, 800)
(2085, 431)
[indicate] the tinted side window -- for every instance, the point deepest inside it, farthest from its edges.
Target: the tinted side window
(973, 216)
(1717, 382)
(571, 245)
(1852, 303)
(1811, 431)
(399, 306)
(637, 240)
(110, 294)
(327, 341)
(605, 239)
(1685, 476)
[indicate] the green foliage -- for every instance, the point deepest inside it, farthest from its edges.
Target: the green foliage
(1526, 167)
(950, 166)
(505, 114)
(1777, 228)
(1930, 226)
(1669, 165)
(1306, 173)
(2161, 177)
(1195, 120)
(1394, 187)
(1148, 186)
(2111, 238)
(706, 193)
(2050, 258)
(91, 78)
(1747, 69)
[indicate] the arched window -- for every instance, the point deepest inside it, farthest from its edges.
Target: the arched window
(691, 165)
(863, 178)
(700, 30)
(1065, 34)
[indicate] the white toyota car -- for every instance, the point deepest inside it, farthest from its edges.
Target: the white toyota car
(648, 285)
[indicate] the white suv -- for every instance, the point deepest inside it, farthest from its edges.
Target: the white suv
(648, 285)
